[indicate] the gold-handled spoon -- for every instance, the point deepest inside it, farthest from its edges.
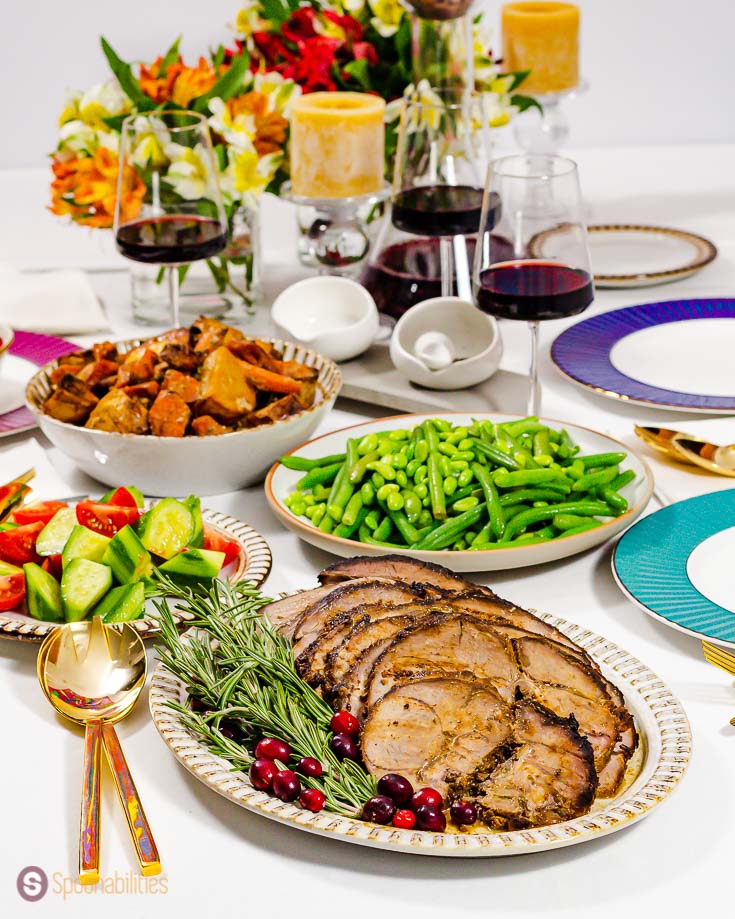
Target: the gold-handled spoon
(718, 459)
(92, 674)
(660, 439)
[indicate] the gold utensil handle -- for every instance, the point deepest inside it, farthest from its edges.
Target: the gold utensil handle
(89, 829)
(140, 831)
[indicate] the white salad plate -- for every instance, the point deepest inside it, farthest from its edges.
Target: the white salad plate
(281, 481)
(252, 564)
(630, 256)
(653, 772)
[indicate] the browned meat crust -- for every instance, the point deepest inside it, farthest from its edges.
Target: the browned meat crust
(400, 567)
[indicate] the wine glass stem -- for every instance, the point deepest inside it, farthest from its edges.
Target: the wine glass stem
(173, 293)
(534, 394)
(446, 263)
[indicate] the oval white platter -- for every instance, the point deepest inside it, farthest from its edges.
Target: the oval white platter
(666, 744)
(281, 481)
(252, 564)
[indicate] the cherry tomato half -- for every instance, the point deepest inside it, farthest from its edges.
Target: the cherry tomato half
(18, 545)
(106, 519)
(52, 564)
(12, 590)
(41, 510)
(121, 497)
(215, 541)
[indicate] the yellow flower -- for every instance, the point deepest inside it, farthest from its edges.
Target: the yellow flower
(190, 172)
(248, 175)
(249, 20)
(104, 100)
(387, 15)
(70, 112)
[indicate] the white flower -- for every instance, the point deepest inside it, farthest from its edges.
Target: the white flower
(353, 7)
(239, 131)
(247, 175)
(151, 139)
(387, 16)
(103, 100)
(190, 172)
(249, 20)
(281, 92)
(80, 137)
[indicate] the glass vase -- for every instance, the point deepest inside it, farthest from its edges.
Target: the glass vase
(226, 287)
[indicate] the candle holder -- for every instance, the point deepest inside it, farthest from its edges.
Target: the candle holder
(547, 131)
(338, 239)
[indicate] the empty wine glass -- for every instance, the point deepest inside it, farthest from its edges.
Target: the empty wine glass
(441, 158)
(535, 265)
(168, 209)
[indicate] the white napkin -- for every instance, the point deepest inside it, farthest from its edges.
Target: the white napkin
(677, 481)
(57, 302)
(47, 484)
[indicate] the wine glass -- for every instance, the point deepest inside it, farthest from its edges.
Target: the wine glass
(441, 159)
(536, 264)
(168, 209)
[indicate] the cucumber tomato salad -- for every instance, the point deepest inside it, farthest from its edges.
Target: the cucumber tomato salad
(62, 562)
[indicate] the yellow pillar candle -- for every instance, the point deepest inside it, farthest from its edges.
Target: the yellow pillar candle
(543, 38)
(337, 144)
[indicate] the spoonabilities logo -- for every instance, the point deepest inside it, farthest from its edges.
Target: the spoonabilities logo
(32, 883)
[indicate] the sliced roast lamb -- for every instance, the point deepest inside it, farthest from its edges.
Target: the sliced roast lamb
(402, 568)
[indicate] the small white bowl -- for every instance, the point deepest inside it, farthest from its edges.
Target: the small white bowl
(474, 335)
(6, 340)
(335, 316)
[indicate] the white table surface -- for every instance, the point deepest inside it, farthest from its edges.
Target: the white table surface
(221, 861)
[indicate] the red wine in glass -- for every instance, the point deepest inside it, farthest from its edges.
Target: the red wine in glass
(442, 210)
(532, 290)
(171, 239)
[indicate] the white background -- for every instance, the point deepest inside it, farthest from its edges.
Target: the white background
(660, 70)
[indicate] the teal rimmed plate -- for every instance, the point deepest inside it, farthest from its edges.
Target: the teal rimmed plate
(677, 565)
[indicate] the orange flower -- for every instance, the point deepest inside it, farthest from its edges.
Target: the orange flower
(85, 189)
(270, 127)
(180, 84)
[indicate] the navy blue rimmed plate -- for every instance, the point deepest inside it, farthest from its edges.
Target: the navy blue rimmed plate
(652, 564)
(583, 353)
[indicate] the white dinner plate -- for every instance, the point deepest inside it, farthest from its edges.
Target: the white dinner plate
(664, 755)
(281, 481)
(627, 256)
(252, 564)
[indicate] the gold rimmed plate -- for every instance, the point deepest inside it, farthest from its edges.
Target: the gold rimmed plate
(632, 255)
(653, 774)
(253, 563)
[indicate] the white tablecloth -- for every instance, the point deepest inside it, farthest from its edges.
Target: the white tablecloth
(221, 861)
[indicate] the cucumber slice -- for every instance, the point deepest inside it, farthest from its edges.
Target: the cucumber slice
(84, 543)
(122, 604)
(9, 525)
(127, 556)
(52, 538)
(83, 584)
(166, 528)
(43, 594)
(195, 507)
(7, 569)
(193, 567)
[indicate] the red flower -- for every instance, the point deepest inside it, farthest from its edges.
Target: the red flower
(312, 70)
(350, 26)
(300, 26)
(363, 50)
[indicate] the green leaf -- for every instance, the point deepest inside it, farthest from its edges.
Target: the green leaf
(518, 77)
(125, 78)
(218, 57)
(276, 11)
(359, 70)
(525, 102)
(115, 122)
(227, 85)
(172, 57)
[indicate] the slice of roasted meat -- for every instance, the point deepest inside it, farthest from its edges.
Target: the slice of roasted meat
(549, 777)
(435, 731)
(400, 567)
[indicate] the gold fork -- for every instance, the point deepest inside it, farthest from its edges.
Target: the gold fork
(721, 658)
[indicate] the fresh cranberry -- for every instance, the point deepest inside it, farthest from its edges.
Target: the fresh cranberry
(345, 723)
(379, 809)
(228, 732)
(261, 774)
(344, 746)
(404, 819)
(429, 817)
(272, 748)
(198, 706)
(286, 785)
(396, 787)
(310, 766)
(312, 799)
(463, 813)
(426, 796)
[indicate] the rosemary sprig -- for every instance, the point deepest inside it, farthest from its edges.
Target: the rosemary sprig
(241, 668)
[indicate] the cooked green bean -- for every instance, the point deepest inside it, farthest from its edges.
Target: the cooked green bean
(436, 488)
(353, 508)
(592, 480)
(301, 464)
(324, 475)
(495, 513)
(450, 531)
(601, 459)
(536, 514)
(368, 492)
(505, 479)
(498, 456)
(383, 530)
(360, 468)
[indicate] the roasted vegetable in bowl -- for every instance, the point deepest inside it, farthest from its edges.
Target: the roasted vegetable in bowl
(202, 380)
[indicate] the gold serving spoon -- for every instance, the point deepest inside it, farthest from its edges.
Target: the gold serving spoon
(92, 674)
(717, 459)
(660, 439)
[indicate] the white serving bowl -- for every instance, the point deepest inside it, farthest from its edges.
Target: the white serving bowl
(182, 465)
(475, 336)
(6, 340)
(336, 316)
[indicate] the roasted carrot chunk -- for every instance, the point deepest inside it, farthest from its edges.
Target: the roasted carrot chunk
(147, 390)
(185, 386)
(272, 382)
(99, 370)
(138, 371)
(205, 425)
(56, 375)
(169, 415)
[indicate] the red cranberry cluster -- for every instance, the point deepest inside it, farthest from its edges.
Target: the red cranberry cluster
(397, 803)
(265, 774)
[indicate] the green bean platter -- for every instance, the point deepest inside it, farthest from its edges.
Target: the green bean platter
(477, 492)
